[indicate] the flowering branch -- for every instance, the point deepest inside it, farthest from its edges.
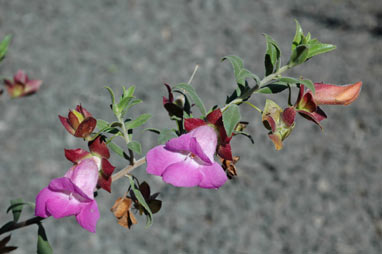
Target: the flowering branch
(128, 169)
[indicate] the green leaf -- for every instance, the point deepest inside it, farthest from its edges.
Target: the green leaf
(244, 74)
(276, 87)
(272, 56)
(236, 62)
(231, 117)
(17, 206)
(132, 103)
(124, 102)
(135, 147)
(194, 96)
(142, 201)
(298, 36)
(246, 135)
(165, 135)
(299, 55)
(111, 95)
(309, 84)
(156, 131)
(102, 124)
(117, 149)
(317, 48)
(4, 46)
(43, 246)
(129, 92)
(138, 121)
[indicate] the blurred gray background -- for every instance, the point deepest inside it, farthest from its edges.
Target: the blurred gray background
(320, 194)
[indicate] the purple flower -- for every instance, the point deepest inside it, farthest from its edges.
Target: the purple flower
(188, 160)
(72, 195)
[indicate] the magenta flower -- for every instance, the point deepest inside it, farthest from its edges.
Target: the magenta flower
(72, 195)
(188, 160)
(21, 85)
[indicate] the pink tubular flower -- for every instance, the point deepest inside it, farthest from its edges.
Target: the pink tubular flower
(21, 85)
(80, 123)
(188, 160)
(307, 104)
(72, 195)
(100, 154)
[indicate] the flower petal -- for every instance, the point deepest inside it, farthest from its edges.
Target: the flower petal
(89, 216)
(32, 86)
(76, 155)
(179, 144)
(62, 205)
(225, 151)
(213, 176)
(66, 124)
(20, 77)
(86, 127)
(206, 137)
(159, 158)
(42, 197)
(198, 150)
(183, 174)
(192, 123)
(99, 148)
(336, 95)
(85, 176)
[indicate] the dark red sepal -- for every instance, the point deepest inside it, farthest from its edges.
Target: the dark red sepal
(99, 148)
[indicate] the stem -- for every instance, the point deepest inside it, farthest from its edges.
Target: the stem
(262, 83)
(193, 74)
(253, 106)
(268, 78)
(14, 226)
(128, 169)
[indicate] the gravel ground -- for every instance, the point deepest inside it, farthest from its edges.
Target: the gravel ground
(320, 194)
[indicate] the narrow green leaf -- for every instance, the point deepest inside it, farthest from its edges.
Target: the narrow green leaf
(123, 103)
(4, 46)
(135, 147)
(43, 246)
(236, 62)
(273, 88)
(244, 74)
(138, 121)
(117, 149)
(230, 118)
(142, 201)
(112, 97)
(272, 56)
(309, 84)
(156, 131)
(298, 36)
(102, 124)
(17, 206)
(194, 96)
(289, 80)
(165, 135)
(317, 48)
(129, 92)
(132, 103)
(246, 135)
(299, 55)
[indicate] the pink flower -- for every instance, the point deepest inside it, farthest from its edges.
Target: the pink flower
(307, 104)
(100, 154)
(21, 85)
(188, 160)
(72, 195)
